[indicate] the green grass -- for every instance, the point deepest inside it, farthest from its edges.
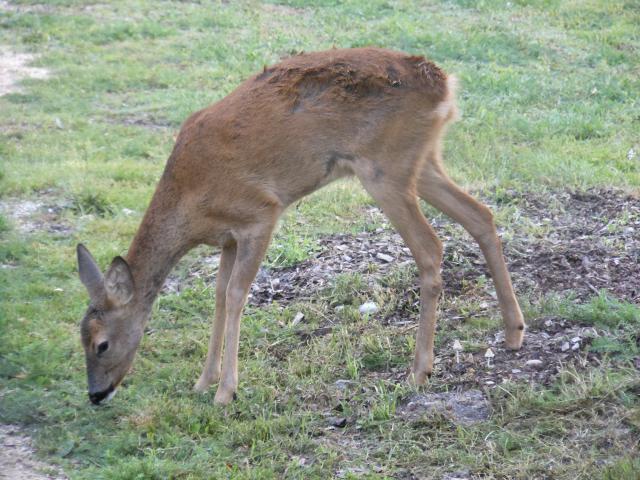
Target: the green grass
(550, 99)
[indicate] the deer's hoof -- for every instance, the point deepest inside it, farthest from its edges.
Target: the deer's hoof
(201, 386)
(204, 382)
(224, 396)
(419, 378)
(513, 339)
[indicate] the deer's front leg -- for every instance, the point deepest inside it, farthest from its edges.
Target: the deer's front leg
(211, 372)
(250, 251)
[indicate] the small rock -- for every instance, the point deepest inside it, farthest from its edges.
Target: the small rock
(464, 408)
(297, 319)
(534, 364)
(368, 308)
(516, 370)
(343, 384)
(575, 340)
(565, 346)
(384, 257)
(339, 422)
(351, 472)
(575, 346)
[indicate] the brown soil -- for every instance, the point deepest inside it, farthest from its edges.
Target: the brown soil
(581, 243)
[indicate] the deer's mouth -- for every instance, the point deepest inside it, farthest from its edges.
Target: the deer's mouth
(106, 395)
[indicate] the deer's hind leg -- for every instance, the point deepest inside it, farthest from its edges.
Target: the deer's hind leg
(394, 191)
(211, 372)
(435, 187)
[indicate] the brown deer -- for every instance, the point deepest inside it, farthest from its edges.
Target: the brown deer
(377, 114)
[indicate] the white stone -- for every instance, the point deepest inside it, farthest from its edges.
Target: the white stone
(384, 257)
(297, 319)
(368, 308)
(534, 363)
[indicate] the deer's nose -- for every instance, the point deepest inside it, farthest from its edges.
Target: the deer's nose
(97, 397)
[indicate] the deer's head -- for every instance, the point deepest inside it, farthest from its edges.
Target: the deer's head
(112, 326)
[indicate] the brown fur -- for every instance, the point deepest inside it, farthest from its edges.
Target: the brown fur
(293, 128)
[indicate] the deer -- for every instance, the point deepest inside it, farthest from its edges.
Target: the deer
(376, 114)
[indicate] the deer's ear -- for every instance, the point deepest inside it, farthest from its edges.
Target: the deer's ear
(118, 282)
(90, 274)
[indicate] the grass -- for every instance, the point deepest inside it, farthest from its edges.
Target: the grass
(549, 100)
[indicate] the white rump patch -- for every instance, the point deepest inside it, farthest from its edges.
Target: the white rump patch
(447, 109)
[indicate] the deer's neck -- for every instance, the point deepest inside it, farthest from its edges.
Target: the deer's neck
(158, 245)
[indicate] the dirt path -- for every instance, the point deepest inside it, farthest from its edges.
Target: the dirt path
(17, 458)
(14, 67)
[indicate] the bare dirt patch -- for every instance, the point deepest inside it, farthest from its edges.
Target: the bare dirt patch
(17, 8)
(33, 215)
(581, 243)
(14, 67)
(575, 243)
(17, 458)
(547, 350)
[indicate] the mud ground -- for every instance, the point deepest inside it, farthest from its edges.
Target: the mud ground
(572, 242)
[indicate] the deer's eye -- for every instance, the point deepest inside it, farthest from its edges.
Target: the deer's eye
(103, 347)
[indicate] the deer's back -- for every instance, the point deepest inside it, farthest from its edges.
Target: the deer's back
(309, 114)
